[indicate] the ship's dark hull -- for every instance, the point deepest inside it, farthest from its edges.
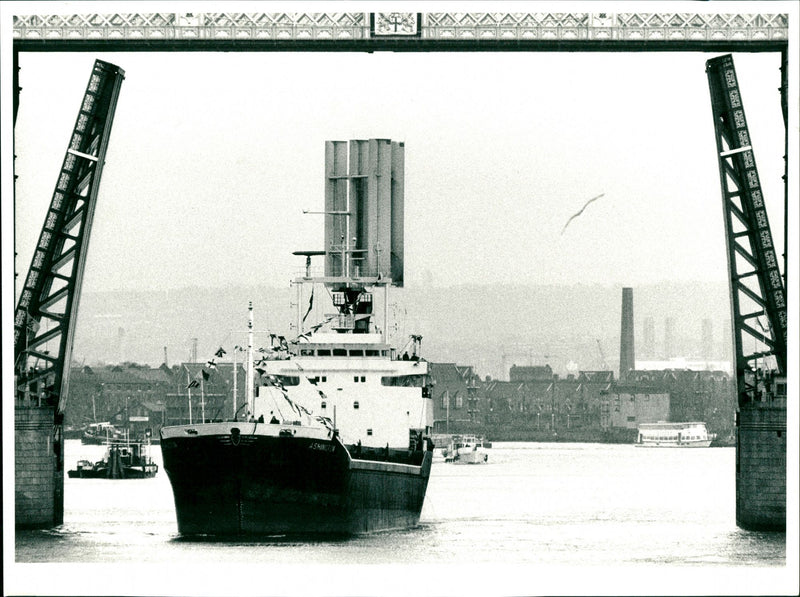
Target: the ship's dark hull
(128, 472)
(272, 484)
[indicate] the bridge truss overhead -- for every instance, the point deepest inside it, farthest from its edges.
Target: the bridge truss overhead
(47, 308)
(634, 31)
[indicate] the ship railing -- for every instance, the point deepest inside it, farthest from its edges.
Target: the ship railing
(336, 271)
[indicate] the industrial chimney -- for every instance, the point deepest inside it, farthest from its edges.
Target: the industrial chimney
(627, 361)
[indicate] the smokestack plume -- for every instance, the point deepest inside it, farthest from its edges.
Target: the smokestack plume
(627, 360)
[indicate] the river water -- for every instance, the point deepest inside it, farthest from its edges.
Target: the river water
(540, 518)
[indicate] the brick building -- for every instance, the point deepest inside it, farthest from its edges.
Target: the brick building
(458, 399)
(120, 394)
(548, 402)
(708, 396)
(631, 404)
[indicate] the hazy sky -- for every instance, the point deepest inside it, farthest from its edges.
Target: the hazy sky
(213, 156)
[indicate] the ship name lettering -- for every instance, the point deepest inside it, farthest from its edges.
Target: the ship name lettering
(322, 447)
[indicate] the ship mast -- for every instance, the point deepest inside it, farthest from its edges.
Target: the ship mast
(250, 396)
(235, 348)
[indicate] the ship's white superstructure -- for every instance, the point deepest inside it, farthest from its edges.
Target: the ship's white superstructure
(353, 381)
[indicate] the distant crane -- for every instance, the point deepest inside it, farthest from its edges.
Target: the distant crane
(603, 364)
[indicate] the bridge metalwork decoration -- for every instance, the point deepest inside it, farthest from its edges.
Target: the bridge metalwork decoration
(404, 31)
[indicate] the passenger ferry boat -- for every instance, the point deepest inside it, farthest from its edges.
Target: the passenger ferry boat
(674, 435)
(333, 437)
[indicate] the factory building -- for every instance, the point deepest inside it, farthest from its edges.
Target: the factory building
(632, 404)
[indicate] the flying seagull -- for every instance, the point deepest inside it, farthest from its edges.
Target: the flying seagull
(581, 211)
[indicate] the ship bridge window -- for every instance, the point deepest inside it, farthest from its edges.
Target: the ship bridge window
(324, 352)
(288, 380)
(370, 352)
(412, 381)
(306, 352)
(340, 352)
(356, 352)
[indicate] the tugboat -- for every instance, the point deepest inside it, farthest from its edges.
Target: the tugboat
(334, 434)
(98, 434)
(123, 460)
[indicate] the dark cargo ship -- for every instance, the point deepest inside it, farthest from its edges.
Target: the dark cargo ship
(333, 434)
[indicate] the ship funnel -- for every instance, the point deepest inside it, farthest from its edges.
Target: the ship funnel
(364, 188)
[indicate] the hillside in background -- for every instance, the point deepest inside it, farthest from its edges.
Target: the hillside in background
(488, 326)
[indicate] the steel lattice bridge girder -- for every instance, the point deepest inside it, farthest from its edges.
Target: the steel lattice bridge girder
(757, 288)
(403, 31)
(44, 319)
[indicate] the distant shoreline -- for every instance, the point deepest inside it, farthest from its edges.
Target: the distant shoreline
(590, 436)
